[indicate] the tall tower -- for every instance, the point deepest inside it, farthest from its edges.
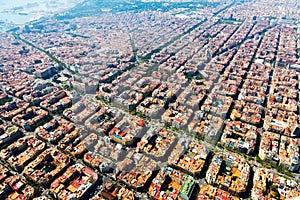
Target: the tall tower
(287, 8)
